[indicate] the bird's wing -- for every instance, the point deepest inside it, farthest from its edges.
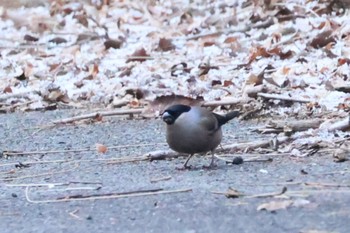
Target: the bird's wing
(223, 119)
(209, 122)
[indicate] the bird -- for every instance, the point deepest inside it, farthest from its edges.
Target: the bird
(194, 129)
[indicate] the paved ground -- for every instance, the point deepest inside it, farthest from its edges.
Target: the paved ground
(319, 209)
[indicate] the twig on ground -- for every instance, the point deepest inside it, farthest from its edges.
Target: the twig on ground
(252, 145)
(342, 124)
(290, 126)
(128, 160)
(97, 115)
(37, 185)
(15, 95)
(222, 102)
(317, 191)
(11, 107)
(283, 97)
(104, 197)
(73, 214)
(40, 174)
(320, 184)
(273, 194)
(160, 179)
(217, 33)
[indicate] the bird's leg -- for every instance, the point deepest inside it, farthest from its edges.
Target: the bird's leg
(188, 159)
(185, 166)
(212, 164)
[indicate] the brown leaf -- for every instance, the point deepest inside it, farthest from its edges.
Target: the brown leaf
(255, 79)
(275, 205)
(126, 71)
(64, 99)
(115, 44)
(87, 36)
(232, 193)
(342, 61)
(322, 39)
(82, 19)
(101, 148)
(53, 96)
(139, 55)
(284, 14)
(165, 45)
(7, 89)
(98, 117)
(93, 70)
(58, 40)
(263, 52)
(30, 38)
(208, 43)
(230, 40)
(227, 83)
(54, 66)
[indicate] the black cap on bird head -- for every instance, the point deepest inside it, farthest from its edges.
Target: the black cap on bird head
(173, 112)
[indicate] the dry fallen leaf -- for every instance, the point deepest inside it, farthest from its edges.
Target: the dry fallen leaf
(323, 39)
(101, 148)
(139, 55)
(115, 44)
(232, 193)
(7, 89)
(58, 40)
(30, 38)
(341, 155)
(275, 205)
(165, 45)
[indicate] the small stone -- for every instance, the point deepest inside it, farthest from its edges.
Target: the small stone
(237, 160)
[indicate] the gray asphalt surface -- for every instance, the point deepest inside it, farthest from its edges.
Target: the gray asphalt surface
(200, 210)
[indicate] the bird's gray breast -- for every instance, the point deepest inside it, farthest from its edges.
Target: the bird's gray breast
(189, 135)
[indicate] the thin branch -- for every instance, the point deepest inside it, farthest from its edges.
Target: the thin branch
(15, 95)
(98, 114)
(342, 124)
(104, 197)
(160, 179)
(73, 214)
(38, 175)
(283, 97)
(273, 194)
(222, 102)
(290, 125)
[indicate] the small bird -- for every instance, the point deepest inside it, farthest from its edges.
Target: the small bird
(193, 129)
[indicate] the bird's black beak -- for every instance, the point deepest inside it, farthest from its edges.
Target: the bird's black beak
(167, 118)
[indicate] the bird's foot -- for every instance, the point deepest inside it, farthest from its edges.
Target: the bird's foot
(210, 166)
(184, 167)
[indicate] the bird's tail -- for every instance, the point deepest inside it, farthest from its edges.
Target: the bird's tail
(223, 119)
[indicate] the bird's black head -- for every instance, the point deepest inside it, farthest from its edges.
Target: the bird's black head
(173, 112)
